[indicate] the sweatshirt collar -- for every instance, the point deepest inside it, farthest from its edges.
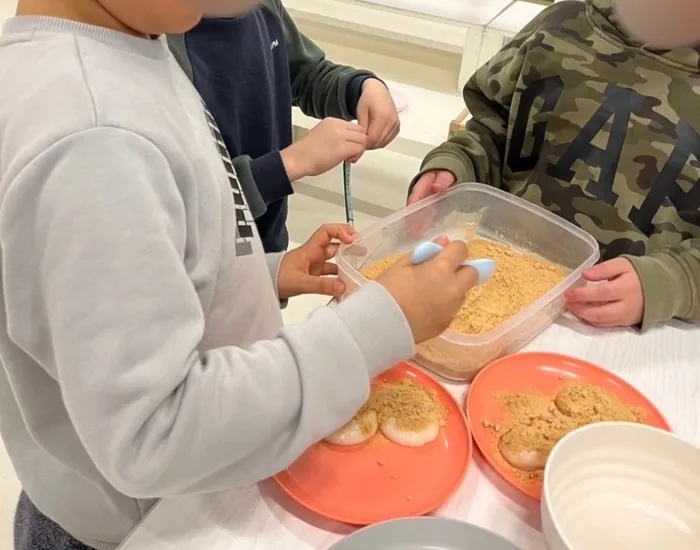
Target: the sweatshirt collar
(155, 48)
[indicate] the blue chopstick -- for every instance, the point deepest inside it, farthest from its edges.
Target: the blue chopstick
(427, 250)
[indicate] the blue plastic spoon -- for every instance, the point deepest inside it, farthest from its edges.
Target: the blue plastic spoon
(426, 250)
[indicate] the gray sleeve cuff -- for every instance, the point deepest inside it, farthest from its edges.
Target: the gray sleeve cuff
(378, 326)
(273, 265)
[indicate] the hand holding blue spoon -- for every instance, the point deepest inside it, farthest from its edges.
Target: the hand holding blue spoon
(427, 250)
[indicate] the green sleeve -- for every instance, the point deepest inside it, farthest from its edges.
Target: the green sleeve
(319, 87)
(475, 154)
(670, 283)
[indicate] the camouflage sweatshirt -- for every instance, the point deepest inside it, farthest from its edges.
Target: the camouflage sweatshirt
(574, 116)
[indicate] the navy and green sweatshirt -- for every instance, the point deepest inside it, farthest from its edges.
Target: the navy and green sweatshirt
(250, 71)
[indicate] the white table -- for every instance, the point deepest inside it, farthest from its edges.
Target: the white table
(664, 364)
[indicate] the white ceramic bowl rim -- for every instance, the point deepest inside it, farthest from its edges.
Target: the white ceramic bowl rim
(575, 434)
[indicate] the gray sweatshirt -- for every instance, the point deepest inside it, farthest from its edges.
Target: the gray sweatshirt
(142, 348)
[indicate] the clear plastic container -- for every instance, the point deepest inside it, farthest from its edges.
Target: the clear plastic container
(492, 214)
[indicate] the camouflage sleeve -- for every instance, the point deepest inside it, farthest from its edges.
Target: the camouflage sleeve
(670, 283)
(475, 153)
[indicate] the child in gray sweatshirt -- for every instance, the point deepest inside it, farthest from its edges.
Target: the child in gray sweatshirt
(142, 348)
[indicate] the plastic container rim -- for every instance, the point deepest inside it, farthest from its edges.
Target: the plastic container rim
(516, 320)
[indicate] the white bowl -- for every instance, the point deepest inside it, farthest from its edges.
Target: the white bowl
(619, 486)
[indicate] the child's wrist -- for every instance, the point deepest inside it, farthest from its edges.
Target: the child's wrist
(292, 164)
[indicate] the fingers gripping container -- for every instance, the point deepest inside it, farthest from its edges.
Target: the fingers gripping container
(489, 213)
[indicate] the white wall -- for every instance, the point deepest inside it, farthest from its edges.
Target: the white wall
(394, 60)
(479, 12)
(7, 9)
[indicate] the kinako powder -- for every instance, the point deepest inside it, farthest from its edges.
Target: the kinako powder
(589, 404)
(519, 280)
(411, 405)
(539, 422)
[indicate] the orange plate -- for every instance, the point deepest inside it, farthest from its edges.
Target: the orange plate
(546, 373)
(379, 480)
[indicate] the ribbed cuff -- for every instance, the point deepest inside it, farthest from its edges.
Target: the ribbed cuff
(379, 327)
(353, 91)
(97, 545)
(271, 177)
(274, 261)
(154, 48)
(667, 285)
(464, 173)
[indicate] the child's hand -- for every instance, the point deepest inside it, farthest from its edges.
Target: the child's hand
(377, 114)
(306, 270)
(617, 301)
(430, 294)
(330, 143)
(431, 183)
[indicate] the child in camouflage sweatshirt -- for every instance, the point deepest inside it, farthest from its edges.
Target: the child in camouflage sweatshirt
(576, 117)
